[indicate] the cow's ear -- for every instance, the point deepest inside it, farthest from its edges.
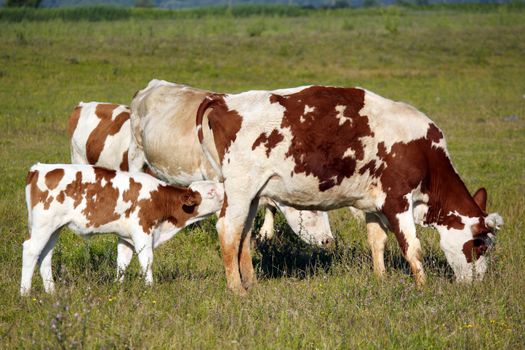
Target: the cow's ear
(480, 197)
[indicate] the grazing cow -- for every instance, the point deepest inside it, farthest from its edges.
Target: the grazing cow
(163, 128)
(322, 148)
(142, 210)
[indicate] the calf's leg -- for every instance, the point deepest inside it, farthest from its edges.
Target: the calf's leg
(32, 248)
(124, 256)
(144, 247)
(45, 261)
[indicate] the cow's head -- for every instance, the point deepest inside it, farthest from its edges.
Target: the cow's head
(466, 240)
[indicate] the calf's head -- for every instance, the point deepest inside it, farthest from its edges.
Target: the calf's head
(466, 240)
(205, 197)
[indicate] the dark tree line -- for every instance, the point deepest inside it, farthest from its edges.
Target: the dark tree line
(22, 3)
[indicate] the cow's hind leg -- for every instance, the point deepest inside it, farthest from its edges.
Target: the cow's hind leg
(230, 228)
(45, 262)
(32, 248)
(402, 223)
(377, 240)
(248, 277)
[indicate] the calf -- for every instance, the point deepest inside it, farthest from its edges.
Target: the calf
(318, 147)
(144, 212)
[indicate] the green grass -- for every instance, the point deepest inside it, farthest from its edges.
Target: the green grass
(465, 69)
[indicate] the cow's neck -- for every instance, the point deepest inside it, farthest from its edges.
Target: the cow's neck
(449, 200)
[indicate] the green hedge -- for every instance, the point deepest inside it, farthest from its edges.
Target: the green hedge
(113, 13)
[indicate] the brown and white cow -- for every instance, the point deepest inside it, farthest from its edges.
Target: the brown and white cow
(317, 147)
(143, 211)
(100, 134)
(163, 123)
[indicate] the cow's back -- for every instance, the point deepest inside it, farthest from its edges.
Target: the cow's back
(336, 143)
(163, 124)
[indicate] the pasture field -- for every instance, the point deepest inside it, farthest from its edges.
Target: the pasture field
(464, 68)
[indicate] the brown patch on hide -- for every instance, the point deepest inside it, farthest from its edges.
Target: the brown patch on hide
(474, 247)
(224, 206)
(73, 121)
(61, 197)
(53, 177)
(401, 240)
(452, 221)
(106, 127)
(168, 203)
(371, 167)
(223, 122)
(434, 134)
(75, 189)
(268, 141)
(101, 199)
(319, 141)
(480, 228)
(131, 195)
(124, 164)
(37, 195)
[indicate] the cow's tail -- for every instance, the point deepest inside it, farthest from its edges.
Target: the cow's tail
(207, 103)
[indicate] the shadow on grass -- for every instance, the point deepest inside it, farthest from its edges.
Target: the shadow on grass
(280, 257)
(287, 255)
(94, 260)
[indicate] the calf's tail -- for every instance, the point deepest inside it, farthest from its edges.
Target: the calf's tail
(31, 179)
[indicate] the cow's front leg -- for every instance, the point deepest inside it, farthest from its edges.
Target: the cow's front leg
(377, 237)
(402, 223)
(144, 248)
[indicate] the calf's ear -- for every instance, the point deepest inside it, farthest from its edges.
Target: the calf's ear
(480, 197)
(191, 198)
